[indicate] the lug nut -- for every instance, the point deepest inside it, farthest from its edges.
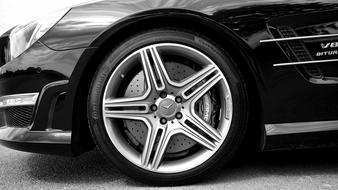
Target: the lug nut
(178, 99)
(153, 107)
(179, 115)
(163, 94)
(163, 120)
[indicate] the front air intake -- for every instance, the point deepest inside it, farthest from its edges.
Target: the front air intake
(20, 116)
(17, 110)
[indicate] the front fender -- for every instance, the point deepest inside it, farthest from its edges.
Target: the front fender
(84, 23)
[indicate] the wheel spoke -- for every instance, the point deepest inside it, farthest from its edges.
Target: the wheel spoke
(155, 72)
(155, 146)
(126, 108)
(200, 83)
(148, 147)
(197, 136)
(205, 127)
(161, 148)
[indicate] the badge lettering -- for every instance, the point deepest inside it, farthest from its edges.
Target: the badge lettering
(325, 46)
(329, 45)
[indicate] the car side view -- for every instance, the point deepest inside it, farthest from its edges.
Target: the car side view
(169, 90)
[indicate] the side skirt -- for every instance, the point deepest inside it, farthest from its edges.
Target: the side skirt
(301, 135)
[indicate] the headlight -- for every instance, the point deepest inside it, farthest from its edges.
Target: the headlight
(23, 36)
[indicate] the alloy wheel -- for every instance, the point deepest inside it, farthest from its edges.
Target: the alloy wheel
(168, 107)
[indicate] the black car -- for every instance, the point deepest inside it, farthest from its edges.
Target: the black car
(170, 89)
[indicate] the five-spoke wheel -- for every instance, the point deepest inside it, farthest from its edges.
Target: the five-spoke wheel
(167, 106)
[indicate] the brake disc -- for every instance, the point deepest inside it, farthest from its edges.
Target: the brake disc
(137, 130)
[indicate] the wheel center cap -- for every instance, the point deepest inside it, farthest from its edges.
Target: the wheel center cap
(167, 108)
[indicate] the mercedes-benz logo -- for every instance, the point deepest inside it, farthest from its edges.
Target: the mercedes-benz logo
(167, 107)
(167, 104)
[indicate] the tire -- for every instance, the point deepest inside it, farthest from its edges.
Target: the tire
(214, 135)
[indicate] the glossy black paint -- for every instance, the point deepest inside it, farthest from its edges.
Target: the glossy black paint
(327, 139)
(74, 46)
(46, 71)
(243, 22)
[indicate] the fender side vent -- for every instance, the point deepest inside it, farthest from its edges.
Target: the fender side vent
(300, 51)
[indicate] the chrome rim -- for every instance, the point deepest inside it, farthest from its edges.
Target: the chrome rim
(167, 108)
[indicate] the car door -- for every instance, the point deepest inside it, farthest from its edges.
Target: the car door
(305, 87)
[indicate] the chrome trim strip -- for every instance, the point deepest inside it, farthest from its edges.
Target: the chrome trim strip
(305, 62)
(325, 80)
(298, 38)
(300, 127)
(27, 99)
(24, 135)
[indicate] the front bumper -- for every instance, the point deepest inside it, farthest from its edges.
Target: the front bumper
(17, 125)
(25, 135)
(32, 130)
(40, 75)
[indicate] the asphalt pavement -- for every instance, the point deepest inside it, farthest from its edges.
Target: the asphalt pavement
(314, 169)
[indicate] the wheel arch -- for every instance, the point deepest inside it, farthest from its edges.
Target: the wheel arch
(183, 19)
